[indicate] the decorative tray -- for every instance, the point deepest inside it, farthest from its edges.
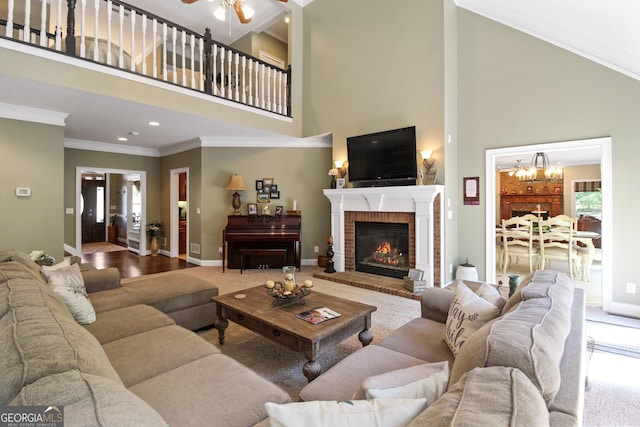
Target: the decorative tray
(278, 292)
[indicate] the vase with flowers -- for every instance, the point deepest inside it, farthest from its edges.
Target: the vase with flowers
(154, 230)
(333, 173)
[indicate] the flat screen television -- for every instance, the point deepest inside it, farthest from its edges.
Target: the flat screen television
(383, 158)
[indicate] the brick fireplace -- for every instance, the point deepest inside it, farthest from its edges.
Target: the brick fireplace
(418, 206)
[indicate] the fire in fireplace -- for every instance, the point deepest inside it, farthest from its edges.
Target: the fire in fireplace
(382, 248)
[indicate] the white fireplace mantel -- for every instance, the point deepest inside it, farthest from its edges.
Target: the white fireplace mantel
(418, 199)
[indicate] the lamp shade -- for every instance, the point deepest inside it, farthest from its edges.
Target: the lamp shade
(236, 183)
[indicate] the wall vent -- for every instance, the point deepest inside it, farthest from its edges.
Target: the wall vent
(194, 248)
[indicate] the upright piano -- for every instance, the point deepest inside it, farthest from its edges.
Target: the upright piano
(261, 232)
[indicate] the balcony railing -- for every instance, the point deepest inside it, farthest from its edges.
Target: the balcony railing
(125, 37)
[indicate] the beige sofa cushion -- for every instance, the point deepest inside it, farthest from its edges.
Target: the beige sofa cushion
(89, 400)
(224, 392)
(531, 337)
(420, 338)
(127, 321)
(38, 335)
(495, 396)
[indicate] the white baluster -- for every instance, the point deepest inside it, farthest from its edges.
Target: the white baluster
(284, 89)
(8, 32)
(236, 81)
(222, 88)
(214, 51)
(184, 60)
(96, 31)
(250, 100)
(256, 101)
(83, 47)
(109, 14)
(244, 82)
(43, 24)
(201, 44)
(164, 51)
(229, 76)
(262, 85)
(144, 44)
(279, 90)
(193, 61)
(133, 41)
(58, 27)
(26, 36)
(174, 36)
(121, 40)
(155, 37)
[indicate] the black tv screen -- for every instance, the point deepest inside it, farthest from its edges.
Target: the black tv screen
(383, 158)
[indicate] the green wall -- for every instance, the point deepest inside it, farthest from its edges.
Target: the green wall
(516, 90)
(32, 157)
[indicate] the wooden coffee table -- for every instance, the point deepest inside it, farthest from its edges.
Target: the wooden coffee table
(256, 311)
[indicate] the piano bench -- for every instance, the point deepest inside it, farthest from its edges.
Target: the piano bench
(246, 252)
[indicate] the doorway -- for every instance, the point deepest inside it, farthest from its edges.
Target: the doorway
(604, 147)
(179, 215)
(103, 204)
(92, 212)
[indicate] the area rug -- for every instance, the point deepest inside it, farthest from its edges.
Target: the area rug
(90, 248)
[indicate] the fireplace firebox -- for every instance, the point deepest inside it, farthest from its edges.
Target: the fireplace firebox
(382, 248)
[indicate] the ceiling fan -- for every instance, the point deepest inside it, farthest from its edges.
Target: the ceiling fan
(243, 10)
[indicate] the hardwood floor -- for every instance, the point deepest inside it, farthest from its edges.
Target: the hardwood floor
(133, 265)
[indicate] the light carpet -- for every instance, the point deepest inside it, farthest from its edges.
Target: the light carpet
(612, 397)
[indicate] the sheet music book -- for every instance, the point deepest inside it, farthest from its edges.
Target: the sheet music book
(318, 315)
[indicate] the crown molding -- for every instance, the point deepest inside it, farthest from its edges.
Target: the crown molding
(316, 141)
(36, 115)
(110, 148)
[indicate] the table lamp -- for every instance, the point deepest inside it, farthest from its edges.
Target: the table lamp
(236, 183)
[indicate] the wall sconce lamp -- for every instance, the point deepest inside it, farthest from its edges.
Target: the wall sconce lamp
(341, 165)
(429, 162)
(236, 183)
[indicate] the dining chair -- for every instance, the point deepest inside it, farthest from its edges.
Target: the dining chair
(556, 242)
(517, 240)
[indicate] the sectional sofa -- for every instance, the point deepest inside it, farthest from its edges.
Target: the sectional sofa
(525, 367)
(132, 366)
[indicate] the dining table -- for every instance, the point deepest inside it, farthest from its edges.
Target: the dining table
(582, 236)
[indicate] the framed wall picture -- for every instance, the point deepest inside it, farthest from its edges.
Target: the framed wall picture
(267, 181)
(471, 189)
(259, 185)
(274, 194)
(274, 187)
(266, 210)
(279, 210)
(263, 198)
(340, 182)
(252, 208)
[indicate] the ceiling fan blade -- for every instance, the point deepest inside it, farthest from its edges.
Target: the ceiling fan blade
(189, 1)
(283, 1)
(238, 8)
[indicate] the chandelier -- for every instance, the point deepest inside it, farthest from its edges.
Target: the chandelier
(540, 170)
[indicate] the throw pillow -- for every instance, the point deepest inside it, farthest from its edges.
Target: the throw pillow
(491, 294)
(46, 270)
(370, 413)
(429, 381)
(69, 286)
(467, 313)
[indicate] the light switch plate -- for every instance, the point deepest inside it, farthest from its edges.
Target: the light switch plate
(23, 192)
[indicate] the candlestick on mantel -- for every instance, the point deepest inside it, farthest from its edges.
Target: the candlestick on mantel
(295, 205)
(330, 240)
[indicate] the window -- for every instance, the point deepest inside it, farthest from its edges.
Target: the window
(587, 199)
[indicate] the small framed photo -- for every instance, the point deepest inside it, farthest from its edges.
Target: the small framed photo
(267, 181)
(471, 189)
(557, 190)
(274, 194)
(266, 188)
(274, 187)
(340, 182)
(266, 210)
(259, 185)
(279, 210)
(415, 274)
(263, 198)
(252, 208)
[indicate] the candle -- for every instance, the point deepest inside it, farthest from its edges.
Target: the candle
(330, 240)
(295, 205)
